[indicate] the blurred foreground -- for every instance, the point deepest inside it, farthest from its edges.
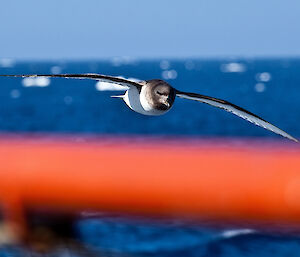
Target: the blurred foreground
(54, 191)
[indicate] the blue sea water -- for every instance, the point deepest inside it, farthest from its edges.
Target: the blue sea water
(269, 88)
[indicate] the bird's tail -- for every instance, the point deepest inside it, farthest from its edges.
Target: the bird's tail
(117, 96)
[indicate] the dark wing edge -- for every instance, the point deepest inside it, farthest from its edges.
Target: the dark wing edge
(242, 113)
(93, 76)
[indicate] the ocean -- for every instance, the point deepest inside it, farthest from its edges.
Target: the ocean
(269, 88)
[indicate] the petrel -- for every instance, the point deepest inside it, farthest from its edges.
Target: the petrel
(156, 97)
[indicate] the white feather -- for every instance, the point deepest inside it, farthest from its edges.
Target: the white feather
(138, 103)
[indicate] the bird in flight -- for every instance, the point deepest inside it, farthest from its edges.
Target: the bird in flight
(156, 97)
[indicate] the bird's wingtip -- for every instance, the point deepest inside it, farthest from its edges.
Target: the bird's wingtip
(296, 140)
(292, 138)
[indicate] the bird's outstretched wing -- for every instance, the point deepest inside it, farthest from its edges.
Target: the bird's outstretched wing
(99, 77)
(235, 110)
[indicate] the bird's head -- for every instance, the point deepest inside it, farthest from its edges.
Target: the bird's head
(160, 93)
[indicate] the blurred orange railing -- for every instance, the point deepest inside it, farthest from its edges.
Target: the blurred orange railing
(255, 181)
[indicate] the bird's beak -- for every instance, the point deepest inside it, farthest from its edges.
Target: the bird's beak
(169, 102)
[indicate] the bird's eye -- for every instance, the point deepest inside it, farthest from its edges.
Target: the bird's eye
(159, 93)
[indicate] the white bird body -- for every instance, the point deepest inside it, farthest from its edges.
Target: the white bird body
(138, 103)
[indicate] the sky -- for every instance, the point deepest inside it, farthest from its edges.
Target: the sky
(95, 29)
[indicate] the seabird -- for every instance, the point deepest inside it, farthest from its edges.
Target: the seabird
(156, 97)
